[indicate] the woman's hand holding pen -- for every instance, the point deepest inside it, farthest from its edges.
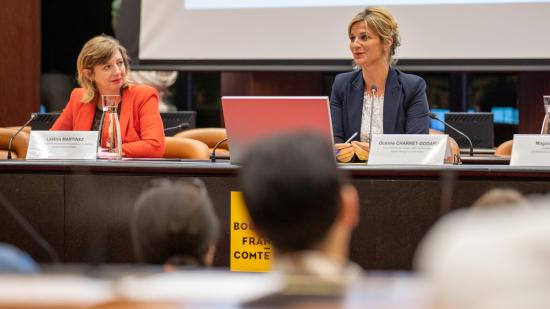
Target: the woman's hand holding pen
(344, 152)
(361, 150)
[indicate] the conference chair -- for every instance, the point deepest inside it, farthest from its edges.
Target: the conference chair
(185, 148)
(19, 145)
(209, 136)
(504, 149)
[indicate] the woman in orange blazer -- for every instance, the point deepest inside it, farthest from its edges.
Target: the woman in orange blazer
(102, 70)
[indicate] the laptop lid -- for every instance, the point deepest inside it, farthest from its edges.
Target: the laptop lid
(249, 119)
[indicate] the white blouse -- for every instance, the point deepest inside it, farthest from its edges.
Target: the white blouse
(377, 116)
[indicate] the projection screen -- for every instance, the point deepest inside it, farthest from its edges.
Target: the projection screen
(306, 34)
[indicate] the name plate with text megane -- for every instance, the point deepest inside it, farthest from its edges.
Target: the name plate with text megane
(67, 145)
(530, 150)
(408, 149)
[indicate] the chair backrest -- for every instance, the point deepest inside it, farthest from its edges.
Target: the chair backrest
(209, 136)
(185, 148)
(26, 129)
(504, 149)
(435, 132)
(19, 145)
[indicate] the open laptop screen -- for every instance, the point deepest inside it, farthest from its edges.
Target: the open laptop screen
(249, 119)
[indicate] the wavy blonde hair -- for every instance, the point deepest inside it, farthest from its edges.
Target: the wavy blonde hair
(383, 24)
(97, 51)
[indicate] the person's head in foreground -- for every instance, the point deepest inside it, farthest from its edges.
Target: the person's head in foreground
(493, 258)
(498, 196)
(174, 224)
(298, 199)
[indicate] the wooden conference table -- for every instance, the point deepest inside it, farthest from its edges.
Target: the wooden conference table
(83, 208)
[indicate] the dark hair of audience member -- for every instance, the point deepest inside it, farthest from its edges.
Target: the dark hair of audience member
(174, 223)
(291, 187)
(496, 197)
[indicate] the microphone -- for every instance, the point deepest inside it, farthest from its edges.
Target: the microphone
(434, 117)
(373, 89)
(33, 116)
(181, 126)
(36, 237)
(213, 155)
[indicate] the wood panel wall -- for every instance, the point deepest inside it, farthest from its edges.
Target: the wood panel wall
(271, 83)
(531, 87)
(19, 60)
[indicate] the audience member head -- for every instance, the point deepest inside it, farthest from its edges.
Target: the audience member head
(13, 260)
(295, 194)
(496, 197)
(383, 25)
(101, 58)
(498, 258)
(174, 223)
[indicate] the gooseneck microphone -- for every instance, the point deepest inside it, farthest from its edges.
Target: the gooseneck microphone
(181, 126)
(213, 155)
(33, 116)
(373, 89)
(434, 117)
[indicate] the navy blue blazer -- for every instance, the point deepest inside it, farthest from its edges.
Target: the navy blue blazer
(405, 104)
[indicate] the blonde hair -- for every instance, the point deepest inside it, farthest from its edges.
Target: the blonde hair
(98, 50)
(495, 197)
(381, 22)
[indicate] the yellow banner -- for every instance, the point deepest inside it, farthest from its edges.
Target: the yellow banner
(249, 252)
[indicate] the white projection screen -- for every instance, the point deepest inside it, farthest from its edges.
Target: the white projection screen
(304, 32)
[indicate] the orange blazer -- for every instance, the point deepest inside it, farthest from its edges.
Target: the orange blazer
(141, 127)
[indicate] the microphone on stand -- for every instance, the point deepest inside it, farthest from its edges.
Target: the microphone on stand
(181, 126)
(373, 89)
(213, 155)
(434, 117)
(33, 116)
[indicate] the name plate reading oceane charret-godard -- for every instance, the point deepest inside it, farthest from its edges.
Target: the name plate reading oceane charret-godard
(408, 149)
(530, 150)
(66, 145)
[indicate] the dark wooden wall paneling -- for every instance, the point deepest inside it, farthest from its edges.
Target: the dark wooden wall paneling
(271, 83)
(532, 86)
(19, 60)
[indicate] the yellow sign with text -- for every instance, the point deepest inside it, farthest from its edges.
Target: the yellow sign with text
(249, 252)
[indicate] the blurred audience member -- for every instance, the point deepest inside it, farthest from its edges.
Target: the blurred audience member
(174, 224)
(298, 199)
(496, 197)
(160, 80)
(493, 258)
(13, 260)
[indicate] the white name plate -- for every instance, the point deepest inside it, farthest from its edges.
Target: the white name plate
(408, 149)
(68, 145)
(530, 150)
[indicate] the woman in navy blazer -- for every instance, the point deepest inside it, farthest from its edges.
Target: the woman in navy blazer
(395, 101)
